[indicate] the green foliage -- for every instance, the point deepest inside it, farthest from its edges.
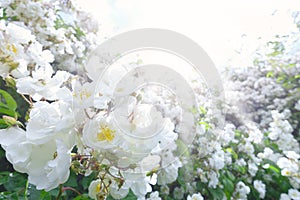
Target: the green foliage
(8, 107)
(12, 105)
(13, 185)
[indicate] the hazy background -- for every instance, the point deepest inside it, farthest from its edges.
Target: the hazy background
(229, 31)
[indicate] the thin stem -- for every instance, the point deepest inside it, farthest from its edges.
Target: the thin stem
(60, 192)
(88, 116)
(29, 102)
(73, 189)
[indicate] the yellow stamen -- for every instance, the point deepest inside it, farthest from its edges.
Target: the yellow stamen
(11, 47)
(106, 134)
(84, 94)
(98, 188)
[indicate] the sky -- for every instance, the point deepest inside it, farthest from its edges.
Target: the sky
(228, 30)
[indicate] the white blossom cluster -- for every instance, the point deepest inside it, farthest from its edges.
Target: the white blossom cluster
(132, 144)
(260, 136)
(43, 50)
(37, 39)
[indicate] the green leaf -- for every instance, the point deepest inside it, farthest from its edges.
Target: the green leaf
(270, 74)
(72, 181)
(203, 110)
(228, 187)
(130, 196)
(86, 180)
(15, 182)
(32, 193)
(9, 100)
(297, 76)
(274, 169)
(8, 112)
(233, 153)
(4, 177)
(230, 175)
(82, 197)
(217, 193)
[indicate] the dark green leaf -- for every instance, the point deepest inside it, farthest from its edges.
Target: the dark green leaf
(9, 100)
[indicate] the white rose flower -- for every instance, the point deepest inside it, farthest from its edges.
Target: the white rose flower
(197, 196)
(260, 187)
(169, 166)
(17, 149)
(137, 181)
(42, 83)
(154, 196)
(294, 194)
(241, 190)
(297, 106)
(18, 34)
(94, 188)
(252, 168)
(178, 193)
(37, 161)
(4, 69)
(150, 162)
(47, 121)
(292, 155)
(213, 179)
(284, 196)
(39, 56)
(144, 127)
(217, 160)
(100, 134)
(21, 70)
(49, 165)
(118, 193)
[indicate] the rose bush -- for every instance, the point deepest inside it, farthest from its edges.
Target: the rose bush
(59, 134)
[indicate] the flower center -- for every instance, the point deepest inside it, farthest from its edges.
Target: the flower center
(84, 94)
(12, 48)
(106, 134)
(98, 188)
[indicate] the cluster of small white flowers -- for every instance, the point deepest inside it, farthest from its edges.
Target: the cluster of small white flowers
(281, 132)
(290, 167)
(29, 35)
(253, 92)
(43, 49)
(197, 196)
(261, 128)
(260, 187)
(293, 194)
(241, 191)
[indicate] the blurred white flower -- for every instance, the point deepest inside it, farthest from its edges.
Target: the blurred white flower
(42, 83)
(252, 168)
(100, 134)
(241, 190)
(217, 161)
(50, 165)
(294, 194)
(297, 106)
(284, 196)
(260, 187)
(48, 121)
(213, 179)
(178, 193)
(17, 149)
(197, 196)
(154, 196)
(18, 34)
(95, 188)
